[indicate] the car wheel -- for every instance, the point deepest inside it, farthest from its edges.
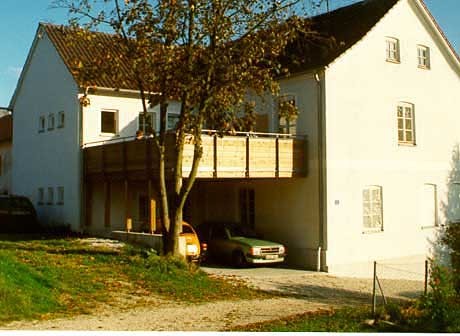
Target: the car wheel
(238, 259)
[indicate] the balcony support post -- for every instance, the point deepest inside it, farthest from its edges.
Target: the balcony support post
(277, 157)
(214, 156)
(247, 156)
(128, 220)
(151, 209)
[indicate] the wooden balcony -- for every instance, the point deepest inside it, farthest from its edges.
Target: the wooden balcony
(245, 155)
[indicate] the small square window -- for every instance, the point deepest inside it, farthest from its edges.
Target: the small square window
(41, 196)
(423, 57)
(60, 195)
(51, 121)
(41, 124)
(50, 196)
(392, 50)
(61, 119)
(109, 122)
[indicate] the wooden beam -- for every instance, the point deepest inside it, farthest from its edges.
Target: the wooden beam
(128, 219)
(152, 216)
(107, 204)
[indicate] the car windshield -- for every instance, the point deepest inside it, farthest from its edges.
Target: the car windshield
(241, 231)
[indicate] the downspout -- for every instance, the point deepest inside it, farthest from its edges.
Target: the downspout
(322, 192)
(82, 191)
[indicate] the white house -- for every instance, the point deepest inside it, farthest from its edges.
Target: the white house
(375, 180)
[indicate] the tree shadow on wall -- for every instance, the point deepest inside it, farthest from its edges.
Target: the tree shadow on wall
(450, 209)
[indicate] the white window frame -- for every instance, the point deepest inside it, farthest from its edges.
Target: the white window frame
(405, 115)
(423, 57)
(60, 195)
(50, 200)
(41, 124)
(61, 119)
(51, 121)
(41, 196)
(116, 114)
(392, 50)
(372, 208)
(284, 126)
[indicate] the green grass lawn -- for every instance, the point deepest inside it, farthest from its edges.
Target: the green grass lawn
(45, 278)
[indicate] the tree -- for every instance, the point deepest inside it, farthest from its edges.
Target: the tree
(205, 54)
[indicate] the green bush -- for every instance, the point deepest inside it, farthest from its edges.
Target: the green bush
(452, 240)
(441, 304)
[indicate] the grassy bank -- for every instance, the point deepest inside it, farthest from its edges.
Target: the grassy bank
(43, 278)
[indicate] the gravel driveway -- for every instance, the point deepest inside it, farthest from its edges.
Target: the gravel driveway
(301, 291)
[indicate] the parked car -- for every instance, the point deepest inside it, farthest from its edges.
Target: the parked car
(17, 215)
(239, 245)
(193, 248)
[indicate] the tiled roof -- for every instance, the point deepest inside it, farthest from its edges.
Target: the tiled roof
(336, 32)
(74, 48)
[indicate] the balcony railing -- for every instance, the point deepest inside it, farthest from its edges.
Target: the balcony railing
(241, 155)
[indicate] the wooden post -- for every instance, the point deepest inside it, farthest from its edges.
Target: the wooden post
(128, 220)
(152, 216)
(214, 142)
(374, 301)
(107, 204)
(247, 156)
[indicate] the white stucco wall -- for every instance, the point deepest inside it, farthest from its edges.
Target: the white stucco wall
(51, 158)
(363, 91)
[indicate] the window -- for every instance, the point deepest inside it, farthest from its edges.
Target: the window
(287, 113)
(406, 131)
(392, 50)
(50, 195)
(109, 121)
(41, 196)
(61, 119)
(428, 206)
(41, 124)
(423, 56)
(50, 121)
(147, 121)
(247, 207)
(60, 195)
(372, 209)
(173, 119)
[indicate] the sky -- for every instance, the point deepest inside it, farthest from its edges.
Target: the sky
(19, 21)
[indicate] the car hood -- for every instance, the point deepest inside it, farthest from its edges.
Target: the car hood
(254, 242)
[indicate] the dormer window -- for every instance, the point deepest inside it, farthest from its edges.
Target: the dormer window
(392, 50)
(423, 56)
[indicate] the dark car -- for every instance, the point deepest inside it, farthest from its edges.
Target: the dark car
(239, 245)
(17, 215)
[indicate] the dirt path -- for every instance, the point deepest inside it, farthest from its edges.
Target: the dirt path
(302, 292)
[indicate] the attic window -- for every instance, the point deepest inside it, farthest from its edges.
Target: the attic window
(392, 50)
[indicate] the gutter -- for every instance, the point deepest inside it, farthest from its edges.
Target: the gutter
(322, 191)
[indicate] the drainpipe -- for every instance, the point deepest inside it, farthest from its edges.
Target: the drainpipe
(322, 192)
(81, 176)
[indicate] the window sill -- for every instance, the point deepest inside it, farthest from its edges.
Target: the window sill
(407, 144)
(423, 67)
(60, 126)
(60, 203)
(430, 227)
(373, 231)
(109, 135)
(50, 129)
(41, 131)
(393, 61)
